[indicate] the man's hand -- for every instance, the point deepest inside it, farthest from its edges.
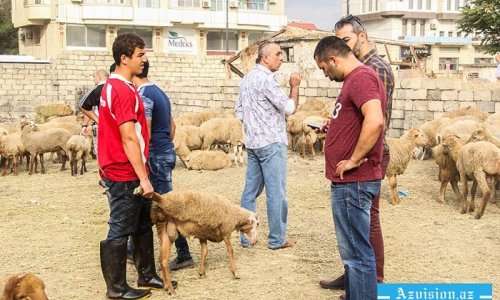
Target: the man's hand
(147, 188)
(85, 131)
(295, 79)
(346, 165)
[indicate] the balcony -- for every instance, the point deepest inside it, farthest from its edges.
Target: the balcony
(37, 10)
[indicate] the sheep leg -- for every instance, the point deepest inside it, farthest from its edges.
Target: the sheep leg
(64, 158)
(28, 159)
(5, 166)
(442, 191)
(311, 146)
(454, 186)
(394, 193)
(463, 196)
(473, 189)
(302, 146)
(14, 165)
(204, 252)
(165, 244)
(232, 257)
(32, 162)
(42, 164)
(481, 180)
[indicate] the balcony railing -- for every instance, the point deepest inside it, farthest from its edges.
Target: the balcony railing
(36, 2)
(437, 39)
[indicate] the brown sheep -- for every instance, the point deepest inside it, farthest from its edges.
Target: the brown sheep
(207, 160)
(207, 217)
(22, 287)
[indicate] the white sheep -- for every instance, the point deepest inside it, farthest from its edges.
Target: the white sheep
(78, 147)
(492, 124)
(207, 160)
(484, 135)
(12, 147)
(224, 131)
(294, 124)
(468, 111)
(460, 128)
(195, 119)
(38, 142)
(401, 151)
(207, 217)
(478, 160)
(186, 139)
(311, 105)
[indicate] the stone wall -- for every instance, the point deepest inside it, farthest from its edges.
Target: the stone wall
(197, 83)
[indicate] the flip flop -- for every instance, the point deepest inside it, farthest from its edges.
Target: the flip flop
(287, 244)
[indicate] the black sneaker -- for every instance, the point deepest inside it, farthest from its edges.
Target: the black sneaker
(177, 265)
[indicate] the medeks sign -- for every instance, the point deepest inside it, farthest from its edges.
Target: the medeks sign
(181, 41)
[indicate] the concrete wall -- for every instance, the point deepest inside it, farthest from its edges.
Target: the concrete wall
(195, 83)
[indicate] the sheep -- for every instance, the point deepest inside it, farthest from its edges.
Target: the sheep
(492, 124)
(22, 287)
(223, 130)
(11, 146)
(78, 147)
(187, 138)
(294, 124)
(470, 111)
(208, 160)
(478, 160)
(400, 151)
(445, 158)
(461, 128)
(195, 119)
(484, 135)
(199, 215)
(38, 142)
(311, 105)
(310, 136)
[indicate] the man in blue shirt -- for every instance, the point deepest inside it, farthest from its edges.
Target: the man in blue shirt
(162, 157)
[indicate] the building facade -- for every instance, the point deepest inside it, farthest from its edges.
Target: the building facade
(191, 27)
(429, 22)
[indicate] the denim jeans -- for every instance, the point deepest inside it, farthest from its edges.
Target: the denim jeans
(129, 214)
(160, 175)
(266, 167)
(351, 203)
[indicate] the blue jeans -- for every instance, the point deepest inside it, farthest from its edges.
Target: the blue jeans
(129, 214)
(351, 203)
(266, 167)
(160, 175)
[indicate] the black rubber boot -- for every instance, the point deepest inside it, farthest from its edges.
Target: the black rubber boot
(144, 260)
(114, 270)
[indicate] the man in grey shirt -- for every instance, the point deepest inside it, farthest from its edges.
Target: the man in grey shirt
(262, 106)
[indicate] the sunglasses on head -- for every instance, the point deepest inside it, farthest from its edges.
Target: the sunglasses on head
(349, 19)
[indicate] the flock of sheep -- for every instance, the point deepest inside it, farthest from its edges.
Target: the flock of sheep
(199, 134)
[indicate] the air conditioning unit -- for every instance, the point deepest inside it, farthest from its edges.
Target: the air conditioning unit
(272, 1)
(77, 1)
(433, 26)
(205, 4)
(233, 4)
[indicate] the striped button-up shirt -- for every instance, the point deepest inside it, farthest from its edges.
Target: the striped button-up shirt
(384, 72)
(262, 105)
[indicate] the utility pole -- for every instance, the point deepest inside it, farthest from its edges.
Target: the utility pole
(227, 26)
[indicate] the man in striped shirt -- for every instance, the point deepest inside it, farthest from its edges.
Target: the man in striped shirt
(351, 30)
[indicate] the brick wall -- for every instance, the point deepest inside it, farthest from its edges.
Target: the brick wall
(197, 83)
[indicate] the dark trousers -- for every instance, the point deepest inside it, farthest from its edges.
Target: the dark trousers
(376, 238)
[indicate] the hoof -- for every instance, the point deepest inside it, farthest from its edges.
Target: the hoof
(477, 216)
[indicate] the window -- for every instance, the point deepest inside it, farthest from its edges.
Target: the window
(85, 36)
(145, 33)
(149, 3)
(414, 27)
(37, 33)
(185, 3)
(219, 5)
(254, 4)
(459, 34)
(123, 2)
(216, 41)
(448, 63)
(483, 60)
(419, 4)
(450, 33)
(363, 6)
(422, 27)
(448, 4)
(456, 5)
(405, 27)
(428, 4)
(441, 33)
(370, 2)
(287, 53)
(410, 4)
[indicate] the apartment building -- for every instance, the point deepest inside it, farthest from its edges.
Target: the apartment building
(428, 22)
(191, 27)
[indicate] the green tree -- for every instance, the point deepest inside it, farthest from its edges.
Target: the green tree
(483, 17)
(8, 34)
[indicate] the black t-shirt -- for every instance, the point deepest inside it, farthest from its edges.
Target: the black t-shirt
(92, 97)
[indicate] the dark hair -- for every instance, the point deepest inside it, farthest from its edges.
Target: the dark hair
(125, 44)
(112, 68)
(357, 26)
(331, 46)
(145, 70)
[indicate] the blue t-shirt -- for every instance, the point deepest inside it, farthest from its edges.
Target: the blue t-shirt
(157, 108)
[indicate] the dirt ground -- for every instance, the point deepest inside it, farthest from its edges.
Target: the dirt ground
(51, 225)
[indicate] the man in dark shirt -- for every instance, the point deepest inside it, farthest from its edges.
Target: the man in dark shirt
(353, 153)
